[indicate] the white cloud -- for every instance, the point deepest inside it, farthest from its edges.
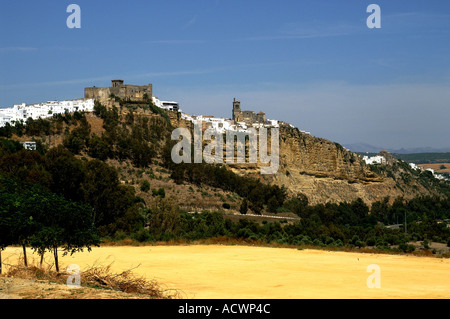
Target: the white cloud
(17, 49)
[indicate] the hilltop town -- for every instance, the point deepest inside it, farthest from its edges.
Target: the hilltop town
(109, 96)
(21, 112)
(240, 120)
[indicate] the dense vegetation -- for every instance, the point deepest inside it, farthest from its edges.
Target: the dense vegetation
(257, 193)
(47, 197)
(332, 225)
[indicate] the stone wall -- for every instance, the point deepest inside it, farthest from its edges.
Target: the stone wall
(123, 91)
(97, 93)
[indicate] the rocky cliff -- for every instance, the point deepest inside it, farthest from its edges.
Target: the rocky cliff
(327, 172)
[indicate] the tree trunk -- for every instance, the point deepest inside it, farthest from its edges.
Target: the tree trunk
(42, 259)
(24, 254)
(55, 253)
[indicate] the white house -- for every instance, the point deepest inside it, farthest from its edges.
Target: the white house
(166, 105)
(378, 159)
(414, 166)
(44, 110)
(29, 145)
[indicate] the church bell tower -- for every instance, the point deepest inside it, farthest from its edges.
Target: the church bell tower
(237, 114)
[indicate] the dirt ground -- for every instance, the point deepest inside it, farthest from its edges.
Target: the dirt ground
(19, 288)
(243, 272)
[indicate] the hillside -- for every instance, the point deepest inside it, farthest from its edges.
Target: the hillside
(115, 165)
(326, 172)
(322, 170)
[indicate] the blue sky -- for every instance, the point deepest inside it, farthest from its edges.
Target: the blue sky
(314, 64)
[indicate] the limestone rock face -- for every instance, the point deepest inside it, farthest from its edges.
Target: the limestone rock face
(324, 171)
(390, 159)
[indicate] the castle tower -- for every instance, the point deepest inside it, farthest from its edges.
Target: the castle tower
(117, 83)
(237, 113)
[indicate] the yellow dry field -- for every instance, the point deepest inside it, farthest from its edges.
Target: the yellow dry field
(437, 167)
(242, 272)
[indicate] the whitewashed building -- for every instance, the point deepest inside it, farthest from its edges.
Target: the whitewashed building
(29, 145)
(378, 159)
(44, 110)
(166, 105)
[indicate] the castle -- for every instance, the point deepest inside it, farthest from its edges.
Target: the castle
(136, 93)
(248, 117)
(118, 89)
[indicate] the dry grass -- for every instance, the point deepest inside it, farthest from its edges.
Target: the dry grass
(96, 276)
(231, 241)
(126, 281)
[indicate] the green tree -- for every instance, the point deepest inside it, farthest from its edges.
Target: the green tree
(62, 223)
(256, 207)
(6, 222)
(164, 217)
(98, 148)
(78, 138)
(115, 206)
(272, 205)
(244, 207)
(16, 221)
(27, 166)
(68, 173)
(141, 153)
(145, 186)
(359, 208)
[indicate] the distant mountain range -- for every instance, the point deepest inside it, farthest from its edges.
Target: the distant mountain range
(368, 148)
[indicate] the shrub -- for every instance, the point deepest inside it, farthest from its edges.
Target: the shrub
(226, 206)
(159, 192)
(338, 243)
(272, 205)
(141, 235)
(407, 248)
(425, 244)
(317, 242)
(145, 186)
(371, 241)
